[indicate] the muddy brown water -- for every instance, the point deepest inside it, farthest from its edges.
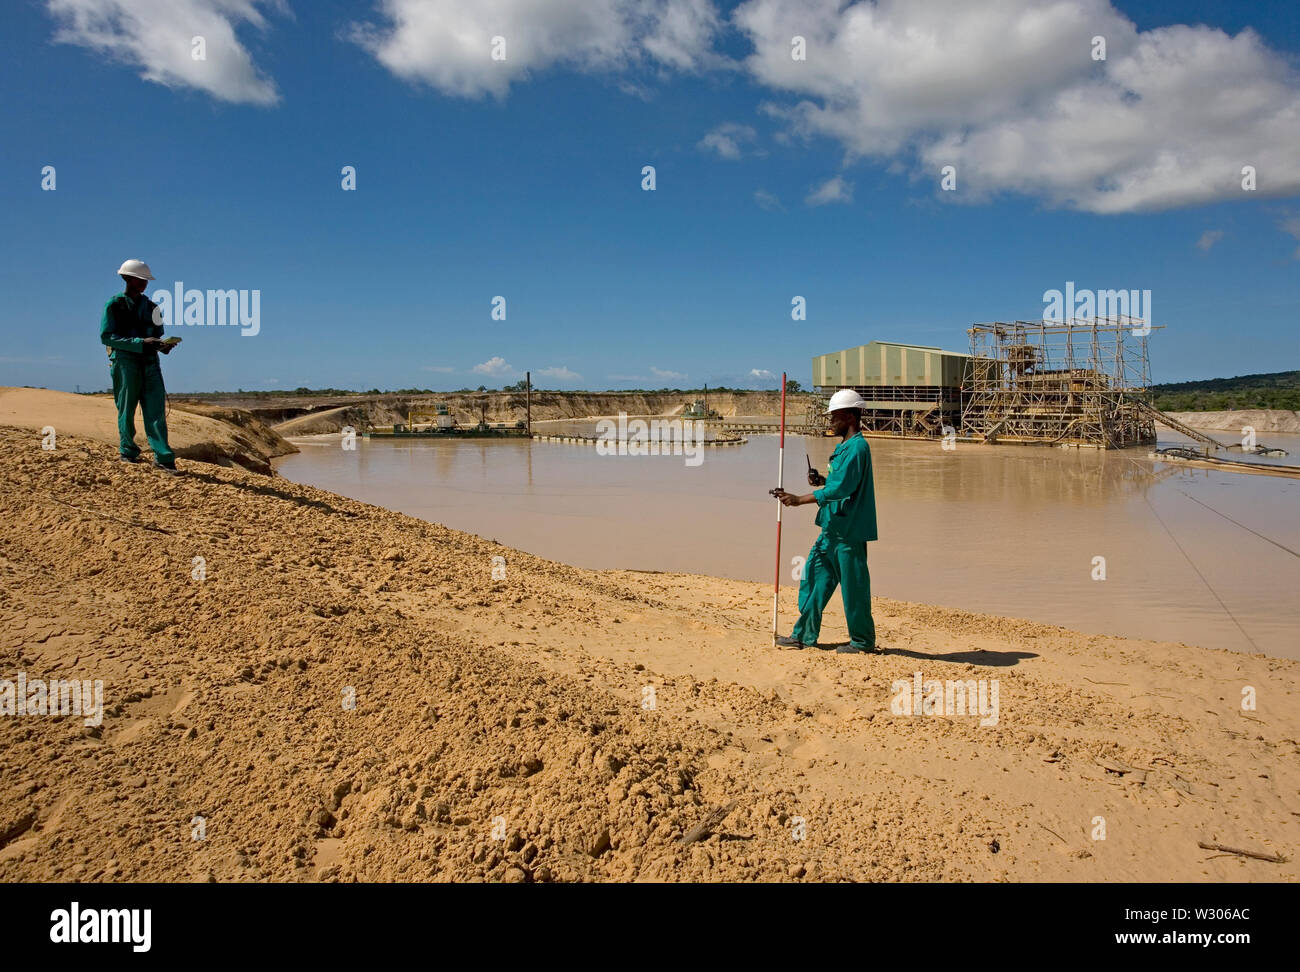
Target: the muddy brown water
(1009, 530)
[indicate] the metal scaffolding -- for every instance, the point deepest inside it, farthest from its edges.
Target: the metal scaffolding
(900, 411)
(1085, 383)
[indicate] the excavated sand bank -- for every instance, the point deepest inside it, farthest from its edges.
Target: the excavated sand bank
(1260, 419)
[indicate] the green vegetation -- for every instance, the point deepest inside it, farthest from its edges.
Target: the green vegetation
(1279, 389)
(310, 393)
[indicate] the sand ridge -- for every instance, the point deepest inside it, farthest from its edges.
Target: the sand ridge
(501, 731)
(196, 430)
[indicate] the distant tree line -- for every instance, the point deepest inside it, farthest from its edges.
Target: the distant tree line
(1279, 389)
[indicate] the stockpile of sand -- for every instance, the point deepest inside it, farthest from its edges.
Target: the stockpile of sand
(204, 433)
(349, 694)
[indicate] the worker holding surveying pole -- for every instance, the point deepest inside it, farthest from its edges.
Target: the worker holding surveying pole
(132, 334)
(846, 512)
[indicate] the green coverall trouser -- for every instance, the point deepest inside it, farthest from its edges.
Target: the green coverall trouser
(137, 380)
(836, 563)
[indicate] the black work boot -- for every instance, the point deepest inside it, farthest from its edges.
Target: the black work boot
(790, 643)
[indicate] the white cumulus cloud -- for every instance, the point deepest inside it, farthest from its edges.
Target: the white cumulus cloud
(561, 372)
(1291, 225)
(157, 36)
(1208, 239)
(661, 373)
(495, 367)
(1009, 93)
(728, 139)
(834, 190)
(448, 44)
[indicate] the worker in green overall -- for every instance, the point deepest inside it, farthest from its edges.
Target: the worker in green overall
(846, 512)
(133, 338)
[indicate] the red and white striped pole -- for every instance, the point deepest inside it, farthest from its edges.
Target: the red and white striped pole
(780, 483)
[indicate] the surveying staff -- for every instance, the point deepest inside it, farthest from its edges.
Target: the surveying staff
(846, 512)
(133, 340)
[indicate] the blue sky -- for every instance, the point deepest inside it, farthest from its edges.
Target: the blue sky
(523, 180)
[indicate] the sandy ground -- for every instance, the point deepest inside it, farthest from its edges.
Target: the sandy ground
(195, 431)
(502, 729)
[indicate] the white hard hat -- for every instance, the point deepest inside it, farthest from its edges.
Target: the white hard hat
(845, 398)
(135, 268)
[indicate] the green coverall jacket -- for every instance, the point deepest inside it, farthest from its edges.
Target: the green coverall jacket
(846, 512)
(846, 505)
(137, 377)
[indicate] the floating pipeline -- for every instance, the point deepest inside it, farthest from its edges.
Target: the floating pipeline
(474, 432)
(596, 439)
(1190, 457)
(509, 433)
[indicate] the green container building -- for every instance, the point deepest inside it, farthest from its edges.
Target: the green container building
(911, 390)
(887, 363)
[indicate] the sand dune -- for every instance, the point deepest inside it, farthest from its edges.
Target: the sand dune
(502, 731)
